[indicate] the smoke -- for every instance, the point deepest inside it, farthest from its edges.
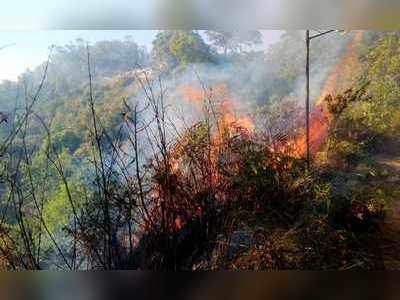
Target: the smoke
(325, 55)
(249, 84)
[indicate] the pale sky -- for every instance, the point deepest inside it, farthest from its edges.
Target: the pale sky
(30, 48)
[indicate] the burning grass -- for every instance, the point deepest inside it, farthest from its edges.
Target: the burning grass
(223, 196)
(225, 199)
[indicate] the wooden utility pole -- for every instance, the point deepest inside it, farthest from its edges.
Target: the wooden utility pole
(308, 97)
(308, 40)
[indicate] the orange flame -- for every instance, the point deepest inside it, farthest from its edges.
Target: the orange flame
(229, 124)
(319, 117)
(344, 69)
(225, 105)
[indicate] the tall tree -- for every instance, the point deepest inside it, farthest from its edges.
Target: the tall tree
(180, 47)
(234, 41)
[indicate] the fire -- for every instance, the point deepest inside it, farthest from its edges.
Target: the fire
(229, 119)
(203, 163)
(344, 69)
(193, 95)
(224, 104)
(319, 117)
(319, 125)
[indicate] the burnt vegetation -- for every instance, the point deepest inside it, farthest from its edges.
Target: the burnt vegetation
(99, 169)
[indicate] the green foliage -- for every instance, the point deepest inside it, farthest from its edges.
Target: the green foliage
(234, 41)
(57, 210)
(179, 47)
(65, 139)
(362, 122)
(383, 67)
(108, 57)
(213, 180)
(287, 64)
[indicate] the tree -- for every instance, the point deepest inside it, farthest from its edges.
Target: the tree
(180, 47)
(234, 41)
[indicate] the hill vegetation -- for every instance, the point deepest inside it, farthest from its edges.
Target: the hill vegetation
(191, 156)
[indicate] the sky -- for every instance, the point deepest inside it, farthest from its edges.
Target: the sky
(28, 49)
